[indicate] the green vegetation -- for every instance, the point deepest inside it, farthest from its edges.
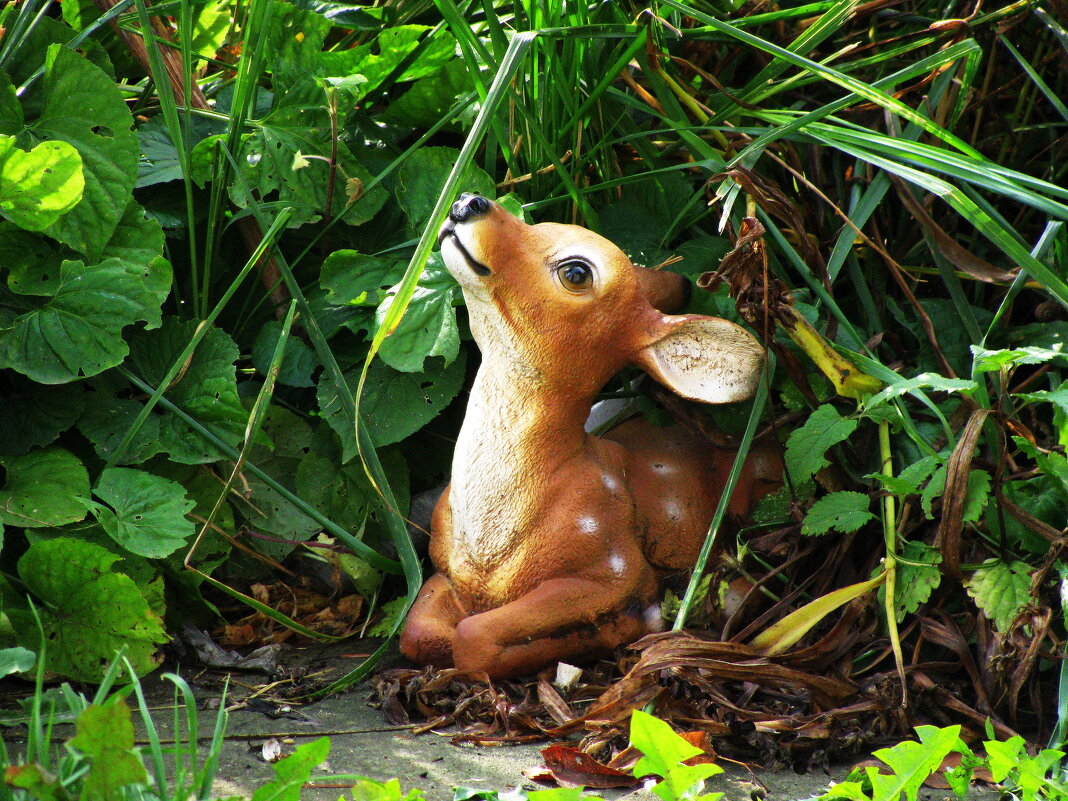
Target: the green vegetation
(216, 259)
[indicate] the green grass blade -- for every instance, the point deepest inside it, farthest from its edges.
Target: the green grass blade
(1036, 79)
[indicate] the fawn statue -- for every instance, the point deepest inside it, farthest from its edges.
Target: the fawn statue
(549, 542)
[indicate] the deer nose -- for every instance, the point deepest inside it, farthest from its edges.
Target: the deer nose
(469, 207)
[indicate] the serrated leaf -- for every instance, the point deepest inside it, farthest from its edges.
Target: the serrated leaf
(88, 611)
(105, 734)
(428, 327)
(1000, 589)
(79, 330)
(978, 493)
(147, 514)
(82, 106)
(39, 186)
(986, 361)
(931, 381)
(47, 487)
(395, 405)
(915, 583)
(840, 511)
(934, 489)
(422, 176)
(807, 445)
(298, 360)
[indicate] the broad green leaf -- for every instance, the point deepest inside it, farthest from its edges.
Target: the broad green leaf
(39, 186)
(931, 381)
(916, 582)
(1052, 464)
(31, 260)
(79, 330)
(428, 327)
(840, 511)
(82, 106)
(350, 277)
(343, 493)
(46, 487)
(16, 660)
(395, 405)
(147, 514)
(87, 610)
(294, 771)
(299, 124)
(206, 389)
(421, 178)
(346, 15)
(363, 68)
(35, 414)
(430, 98)
(807, 445)
(138, 242)
(912, 762)
(105, 734)
(298, 360)
(991, 360)
(661, 747)
(1000, 589)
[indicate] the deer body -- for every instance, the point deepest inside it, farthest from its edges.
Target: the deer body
(549, 542)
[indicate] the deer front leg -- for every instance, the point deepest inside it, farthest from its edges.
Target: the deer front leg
(561, 619)
(428, 632)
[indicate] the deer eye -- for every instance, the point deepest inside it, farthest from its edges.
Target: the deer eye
(575, 275)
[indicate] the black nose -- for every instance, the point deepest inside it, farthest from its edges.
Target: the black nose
(468, 207)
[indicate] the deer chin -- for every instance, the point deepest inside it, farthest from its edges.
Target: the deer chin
(457, 257)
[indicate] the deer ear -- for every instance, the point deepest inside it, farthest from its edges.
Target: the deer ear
(703, 358)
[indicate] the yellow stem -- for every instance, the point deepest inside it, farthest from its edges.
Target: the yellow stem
(890, 562)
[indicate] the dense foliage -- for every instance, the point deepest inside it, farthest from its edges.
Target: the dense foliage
(206, 241)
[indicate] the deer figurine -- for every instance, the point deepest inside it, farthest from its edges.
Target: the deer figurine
(550, 542)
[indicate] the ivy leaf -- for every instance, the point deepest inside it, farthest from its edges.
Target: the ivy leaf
(841, 511)
(149, 511)
(105, 734)
(428, 327)
(395, 405)
(807, 445)
(39, 186)
(47, 487)
(82, 106)
(1000, 589)
(88, 611)
(422, 176)
(915, 583)
(298, 360)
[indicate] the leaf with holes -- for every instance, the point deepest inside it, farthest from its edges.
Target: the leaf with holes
(88, 612)
(147, 514)
(807, 445)
(48, 487)
(82, 106)
(79, 330)
(1000, 589)
(39, 186)
(839, 511)
(428, 327)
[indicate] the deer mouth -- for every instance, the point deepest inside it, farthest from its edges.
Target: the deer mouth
(448, 232)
